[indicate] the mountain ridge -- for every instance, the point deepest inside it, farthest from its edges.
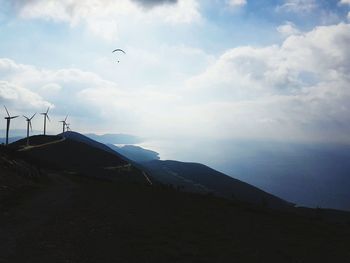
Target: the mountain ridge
(181, 175)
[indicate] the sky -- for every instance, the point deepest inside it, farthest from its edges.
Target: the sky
(193, 69)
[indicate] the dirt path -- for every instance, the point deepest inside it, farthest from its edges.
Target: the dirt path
(26, 148)
(147, 178)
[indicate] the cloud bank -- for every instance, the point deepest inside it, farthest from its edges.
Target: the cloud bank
(103, 17)
(299, 89)
(296, 90)
(152, 3)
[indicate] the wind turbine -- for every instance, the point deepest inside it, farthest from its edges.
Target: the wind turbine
(68, 127)
(46, 116)
(29, 123)
(8, 120)
(64, 123)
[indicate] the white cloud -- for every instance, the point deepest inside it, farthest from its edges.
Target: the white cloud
(20, 98)
(95, 104)
(301, 87)
(296, 90)
(288, 29)
(297, 6)
(236, 3)
(345, 2)
(102, 17)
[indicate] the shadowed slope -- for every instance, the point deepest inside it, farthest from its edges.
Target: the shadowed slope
(77, 157)
(189, 176)
(207, 179)
(68, 218)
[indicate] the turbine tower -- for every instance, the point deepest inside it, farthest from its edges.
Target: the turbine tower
(64, 124)
(68, 127)
(8, 120)
(46, 116)
(29, 124)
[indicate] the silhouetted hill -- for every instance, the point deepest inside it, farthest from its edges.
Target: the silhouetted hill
(135, 153)
(53, 215)
(190, 176)
(85, 139)
(17, 174)
(200, 178)
(114, 138)
(78, 158)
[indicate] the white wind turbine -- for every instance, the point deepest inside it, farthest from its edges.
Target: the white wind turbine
(46, 116)
(8, 120)
(29, 124)
(64, 124)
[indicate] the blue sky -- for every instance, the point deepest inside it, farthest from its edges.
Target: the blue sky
(219, 69)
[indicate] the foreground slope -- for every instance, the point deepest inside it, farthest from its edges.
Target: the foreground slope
(68, 218)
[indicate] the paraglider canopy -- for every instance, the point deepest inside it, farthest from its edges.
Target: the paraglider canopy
(118, 50)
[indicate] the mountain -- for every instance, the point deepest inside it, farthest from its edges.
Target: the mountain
(114, 138)
(135, 153)
(201, 178)
(87, 140)
(16, 175)
(190, 176)
(49, 214)
(127, 152)
(77, 157)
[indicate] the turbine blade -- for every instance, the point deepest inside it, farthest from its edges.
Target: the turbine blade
(66, 118)
(48, 108)
(14, 117)
(8, 114)
(32, 116)
(30, 124)
(47, 116)
(26, 117)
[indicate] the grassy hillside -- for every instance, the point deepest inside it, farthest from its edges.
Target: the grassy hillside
(55, 152)
(69, 218)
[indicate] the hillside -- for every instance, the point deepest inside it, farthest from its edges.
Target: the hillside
(53, 215)
(67, 218)
(135, 153)
(77, 157)
(200, 178)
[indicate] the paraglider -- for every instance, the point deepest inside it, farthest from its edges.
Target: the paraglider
(118, 50)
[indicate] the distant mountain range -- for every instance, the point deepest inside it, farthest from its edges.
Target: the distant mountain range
(115, 138)
(135, 153)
